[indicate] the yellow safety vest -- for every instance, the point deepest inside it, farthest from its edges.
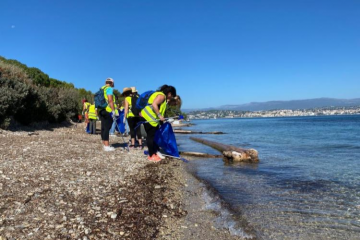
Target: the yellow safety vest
(116, 109)
(130, 114)
(108, 108)
(149, 114)
(92, 112)
(87, 104)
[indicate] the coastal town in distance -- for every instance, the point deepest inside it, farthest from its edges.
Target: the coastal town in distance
(214, 114)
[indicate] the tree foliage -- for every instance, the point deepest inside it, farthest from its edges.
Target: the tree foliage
(27, 95)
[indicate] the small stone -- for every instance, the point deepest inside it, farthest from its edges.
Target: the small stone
(122, 233)
(59, 226)
(113, 215)
(157, 186)
(164, 216)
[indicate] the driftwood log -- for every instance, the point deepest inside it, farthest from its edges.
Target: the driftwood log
(182, 125)
(180, 131)
(198, 154)
(230, 152)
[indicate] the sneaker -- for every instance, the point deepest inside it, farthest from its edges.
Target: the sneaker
(160, 155)
(109, 148)
(131, 147)
(154, 158)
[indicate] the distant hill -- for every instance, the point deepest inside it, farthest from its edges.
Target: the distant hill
(293, 104)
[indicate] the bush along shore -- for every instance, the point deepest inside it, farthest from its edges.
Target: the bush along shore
(29, 96)
(58, 184)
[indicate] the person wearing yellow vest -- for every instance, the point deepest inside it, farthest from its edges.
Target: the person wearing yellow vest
(86, 105)
(130, 116)
(92, 113)
(105, 113)
(154, 113)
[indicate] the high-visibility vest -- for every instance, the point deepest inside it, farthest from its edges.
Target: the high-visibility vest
(149, 114)
(116, 109)
(108, 108)
(87, 104)
(92, 112)
(130, 114)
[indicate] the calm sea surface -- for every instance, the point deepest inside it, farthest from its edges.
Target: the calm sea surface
(307, 184)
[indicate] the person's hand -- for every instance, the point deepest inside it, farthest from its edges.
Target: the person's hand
(114, 115)
(162, 118)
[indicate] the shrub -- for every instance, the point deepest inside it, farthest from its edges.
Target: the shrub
(28, 100)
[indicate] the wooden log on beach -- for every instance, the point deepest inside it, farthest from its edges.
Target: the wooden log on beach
(180, 131)
(233, 153)
(182, 125)
(198, 154)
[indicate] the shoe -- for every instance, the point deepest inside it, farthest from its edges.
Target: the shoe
(109, 148)
(154, 158)
(131, 147)
(112, 135)
(160, 155)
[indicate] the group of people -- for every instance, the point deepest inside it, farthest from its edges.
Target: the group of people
(150, 116)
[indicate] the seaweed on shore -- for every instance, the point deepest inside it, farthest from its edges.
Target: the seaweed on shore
(147, 199)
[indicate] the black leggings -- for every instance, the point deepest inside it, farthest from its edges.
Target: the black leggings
(133, 121)
(106, 122)
(150, 131)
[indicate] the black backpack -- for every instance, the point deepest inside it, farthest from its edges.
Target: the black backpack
(136, 111)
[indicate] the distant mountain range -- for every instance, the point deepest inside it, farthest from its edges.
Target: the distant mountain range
(292, 104)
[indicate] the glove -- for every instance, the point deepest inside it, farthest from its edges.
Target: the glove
(124, 119)
(113, 115)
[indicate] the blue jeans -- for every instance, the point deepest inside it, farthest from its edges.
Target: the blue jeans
(112, 129)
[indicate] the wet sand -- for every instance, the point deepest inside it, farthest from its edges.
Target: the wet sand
(59, 184)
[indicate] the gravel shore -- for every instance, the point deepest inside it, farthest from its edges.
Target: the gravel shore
(59, 184)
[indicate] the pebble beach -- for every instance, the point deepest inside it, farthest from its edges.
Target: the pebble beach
(57, 183)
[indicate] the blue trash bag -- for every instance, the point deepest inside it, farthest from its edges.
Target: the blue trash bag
(165, 139)
(120, 124)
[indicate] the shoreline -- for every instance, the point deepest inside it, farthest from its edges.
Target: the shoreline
(59, 184)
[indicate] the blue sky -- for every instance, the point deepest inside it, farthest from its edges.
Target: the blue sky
(213, 52)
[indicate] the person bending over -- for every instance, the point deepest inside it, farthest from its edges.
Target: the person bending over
(154, 113)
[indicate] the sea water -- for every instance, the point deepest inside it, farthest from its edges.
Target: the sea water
(306, 185)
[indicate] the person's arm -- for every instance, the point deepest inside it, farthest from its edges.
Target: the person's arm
(111, 102)
(158, 101)
(84, 108)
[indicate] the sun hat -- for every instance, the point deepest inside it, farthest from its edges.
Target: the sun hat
(133, 89)
(125, 89)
